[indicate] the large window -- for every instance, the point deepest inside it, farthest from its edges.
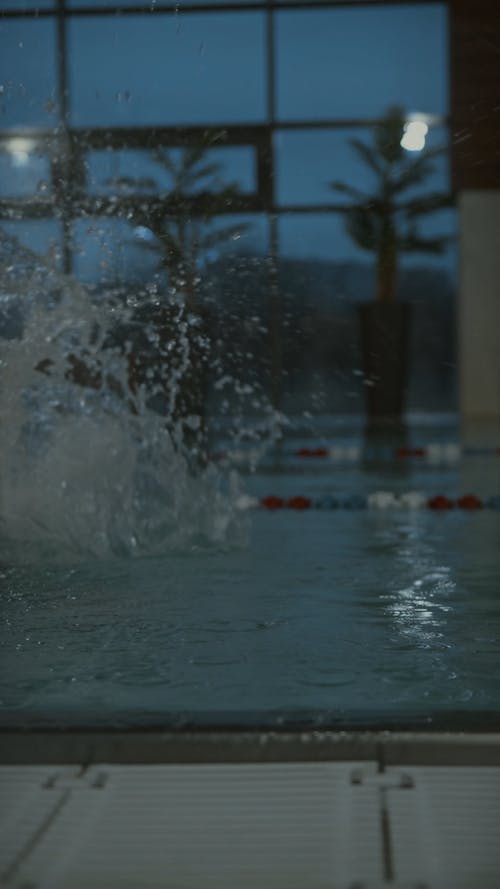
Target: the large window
(329, 61)
(277, 93)
(28, 72)
(182, 79)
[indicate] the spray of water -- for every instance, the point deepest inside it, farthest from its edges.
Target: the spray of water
(93, 463)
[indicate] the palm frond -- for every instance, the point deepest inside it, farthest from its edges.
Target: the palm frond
(414, 243)
(429, 203)
(367, 155)
(411, 176)
(416, 170)
(193, 155)
(363, 227)
(162, 157)
(350, 190)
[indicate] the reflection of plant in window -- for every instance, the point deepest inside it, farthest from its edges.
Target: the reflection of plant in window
(182, 220)
(385, 222)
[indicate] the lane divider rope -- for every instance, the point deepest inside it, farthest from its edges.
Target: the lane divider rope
(433, 454)
(381, 500)
(447, 452)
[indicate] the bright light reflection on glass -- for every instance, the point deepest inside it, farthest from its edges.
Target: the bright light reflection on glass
(19, 148)
(414, 135)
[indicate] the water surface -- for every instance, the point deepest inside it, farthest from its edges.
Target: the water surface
(335, 616)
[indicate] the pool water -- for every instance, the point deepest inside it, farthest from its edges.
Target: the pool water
(323, 617)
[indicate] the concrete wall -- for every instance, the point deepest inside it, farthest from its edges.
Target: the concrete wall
(479, 304)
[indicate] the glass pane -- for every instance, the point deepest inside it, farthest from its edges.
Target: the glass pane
(27, 4)
(120, 253)
(42, 236)
(307, 161)
(319, 236)
(354, 63)
(152, 4)
(106, 251)
(130, 171)
(323, 279)
(24, 170)
(28, 94)
(163, 70)
(248, 235)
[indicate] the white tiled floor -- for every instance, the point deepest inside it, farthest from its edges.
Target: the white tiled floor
(447, 831)
(307, 825)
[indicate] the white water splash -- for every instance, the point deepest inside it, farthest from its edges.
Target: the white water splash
(90, 470)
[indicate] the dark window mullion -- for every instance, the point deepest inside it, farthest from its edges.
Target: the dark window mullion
(62, 164)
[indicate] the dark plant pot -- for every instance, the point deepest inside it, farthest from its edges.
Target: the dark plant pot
(384, 348)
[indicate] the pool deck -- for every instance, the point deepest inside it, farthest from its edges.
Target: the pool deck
(249, 810)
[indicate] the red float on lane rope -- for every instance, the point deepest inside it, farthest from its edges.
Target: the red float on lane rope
(299, 502)
(272, 502)
(410, 452)
(440, 502)
(470, 501)
(376, 500)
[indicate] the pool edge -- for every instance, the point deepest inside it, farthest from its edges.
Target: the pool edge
(387, 748)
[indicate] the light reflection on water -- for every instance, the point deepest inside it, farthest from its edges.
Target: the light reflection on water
(346, 614)
(325, 612)
(421, 609)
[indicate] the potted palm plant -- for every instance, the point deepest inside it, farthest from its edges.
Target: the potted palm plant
(386, 223)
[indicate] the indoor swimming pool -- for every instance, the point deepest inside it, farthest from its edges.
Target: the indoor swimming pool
(249, 444)
(343, 614)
